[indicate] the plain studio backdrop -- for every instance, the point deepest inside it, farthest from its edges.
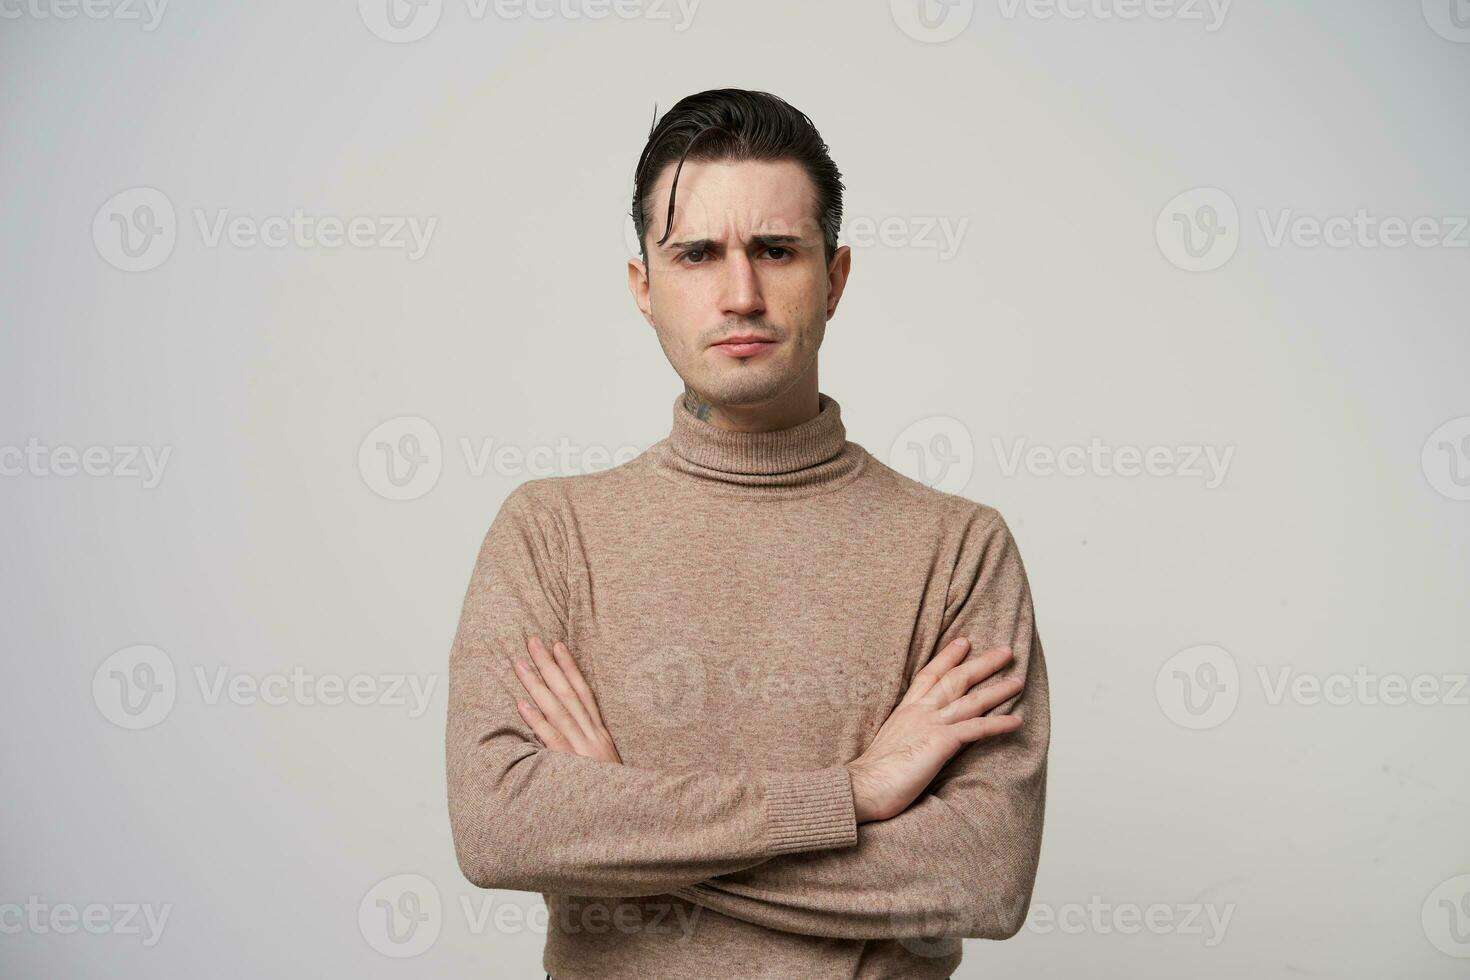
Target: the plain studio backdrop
(295, 294)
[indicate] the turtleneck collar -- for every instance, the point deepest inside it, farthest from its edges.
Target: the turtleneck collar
(811, 457)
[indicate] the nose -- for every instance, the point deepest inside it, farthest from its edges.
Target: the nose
(742, 289)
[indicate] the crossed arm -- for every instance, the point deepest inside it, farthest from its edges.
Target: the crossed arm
(778, 849)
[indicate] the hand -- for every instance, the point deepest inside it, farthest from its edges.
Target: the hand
(940, 713)
(564, 716)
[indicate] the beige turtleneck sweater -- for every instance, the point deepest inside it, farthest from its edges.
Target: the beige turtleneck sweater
(748, 609)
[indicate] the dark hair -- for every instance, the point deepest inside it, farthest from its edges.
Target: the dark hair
(737, 124)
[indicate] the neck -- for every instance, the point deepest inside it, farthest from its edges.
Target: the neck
(812, 456)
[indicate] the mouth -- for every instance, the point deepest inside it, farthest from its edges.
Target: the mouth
(744, 345)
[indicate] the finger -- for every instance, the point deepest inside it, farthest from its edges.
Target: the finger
(543, 729)
(544, 698)
(966, 673)
(574, 677)
(937, 667)
(556, 682)
(981, 699)
(974, 729)
(970, 672)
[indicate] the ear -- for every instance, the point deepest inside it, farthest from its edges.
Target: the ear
(837, 271)
(638, 286)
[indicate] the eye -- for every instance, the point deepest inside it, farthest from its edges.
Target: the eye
(779, 248)
(693, 251)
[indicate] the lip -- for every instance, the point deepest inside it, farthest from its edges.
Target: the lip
(744, 345)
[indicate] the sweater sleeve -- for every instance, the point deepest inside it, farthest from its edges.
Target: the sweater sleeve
(527, 818)
(962, 859)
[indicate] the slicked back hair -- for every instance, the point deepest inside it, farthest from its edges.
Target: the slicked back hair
(736, 124)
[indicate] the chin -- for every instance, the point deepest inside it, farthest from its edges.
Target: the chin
(751, 386)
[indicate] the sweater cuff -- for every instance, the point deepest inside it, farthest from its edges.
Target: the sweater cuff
(809, 811)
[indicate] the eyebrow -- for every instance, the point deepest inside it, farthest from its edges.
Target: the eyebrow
(764, 241)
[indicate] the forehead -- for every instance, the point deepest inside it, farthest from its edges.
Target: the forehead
(740, 197)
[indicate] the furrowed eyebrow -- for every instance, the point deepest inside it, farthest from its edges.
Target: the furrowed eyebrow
(764, 241)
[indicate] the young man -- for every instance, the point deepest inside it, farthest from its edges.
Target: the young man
(752, 704)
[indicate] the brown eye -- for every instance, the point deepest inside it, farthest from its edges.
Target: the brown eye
(692, 252)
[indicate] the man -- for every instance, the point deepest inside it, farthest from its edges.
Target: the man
(752, 704)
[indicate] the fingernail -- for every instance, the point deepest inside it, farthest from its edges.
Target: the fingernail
(962, 642)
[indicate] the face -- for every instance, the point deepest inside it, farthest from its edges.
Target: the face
(743, 262)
